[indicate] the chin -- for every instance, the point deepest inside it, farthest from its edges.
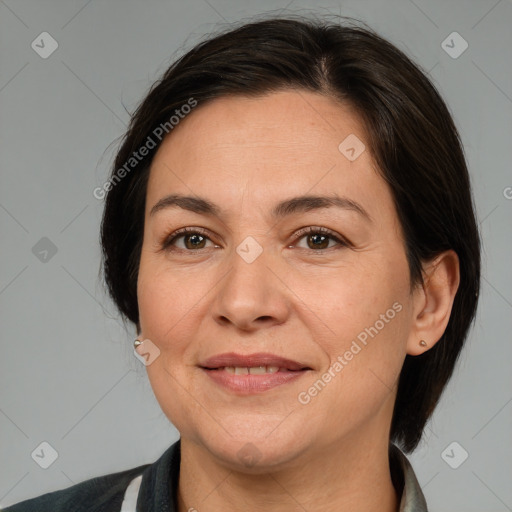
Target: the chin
(246, 450)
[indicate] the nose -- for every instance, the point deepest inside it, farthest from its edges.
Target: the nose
(252, 295)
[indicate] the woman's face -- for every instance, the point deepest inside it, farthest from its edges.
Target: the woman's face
(248, 278)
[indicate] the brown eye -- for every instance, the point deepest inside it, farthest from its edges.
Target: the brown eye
(193, 239)
(318, 239)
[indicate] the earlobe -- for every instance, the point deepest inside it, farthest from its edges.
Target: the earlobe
(433, 302)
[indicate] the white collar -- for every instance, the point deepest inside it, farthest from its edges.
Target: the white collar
(130, 496)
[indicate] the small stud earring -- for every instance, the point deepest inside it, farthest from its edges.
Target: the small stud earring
(136, 343)
(423, 343)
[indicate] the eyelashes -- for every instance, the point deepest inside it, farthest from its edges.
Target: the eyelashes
(320, 234)
(168, 243)
(324, 234)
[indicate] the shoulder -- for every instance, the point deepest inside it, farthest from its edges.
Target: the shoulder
(99, 494)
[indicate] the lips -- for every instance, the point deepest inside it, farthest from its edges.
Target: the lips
(252, 373)
(232, 359)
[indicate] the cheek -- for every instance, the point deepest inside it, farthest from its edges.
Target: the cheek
(162, 299)
(360, 321)
(166, 308)
(366, 326)
(161, 314)
(349, 299)
(172, 302)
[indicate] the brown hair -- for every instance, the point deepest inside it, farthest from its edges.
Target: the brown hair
(411, 137)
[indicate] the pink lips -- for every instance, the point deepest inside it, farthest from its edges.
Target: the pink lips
(258, 359)
(246, 384)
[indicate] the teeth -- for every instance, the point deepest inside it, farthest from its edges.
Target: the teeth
(258, 370)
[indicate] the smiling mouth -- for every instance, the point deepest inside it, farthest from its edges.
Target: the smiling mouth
(256, 363)
(248, 380)
(254, 370)
(244, 374)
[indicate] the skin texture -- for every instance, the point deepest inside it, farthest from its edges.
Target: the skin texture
(294, 300)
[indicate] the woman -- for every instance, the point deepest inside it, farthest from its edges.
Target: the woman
(289, 225)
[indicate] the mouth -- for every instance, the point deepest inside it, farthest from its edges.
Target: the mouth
(239, 363)
(254, 373)
(253, 370)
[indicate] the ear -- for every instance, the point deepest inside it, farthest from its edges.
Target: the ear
(433, 301)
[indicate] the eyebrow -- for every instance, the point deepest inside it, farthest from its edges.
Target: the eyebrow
(294, 205)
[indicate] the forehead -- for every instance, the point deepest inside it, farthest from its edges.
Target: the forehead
(263, 148)
(293, 122)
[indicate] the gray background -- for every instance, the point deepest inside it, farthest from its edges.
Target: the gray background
(68, 375)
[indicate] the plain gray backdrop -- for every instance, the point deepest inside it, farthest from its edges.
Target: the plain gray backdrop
(68, 374)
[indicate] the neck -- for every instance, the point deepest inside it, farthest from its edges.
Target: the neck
(346, 475)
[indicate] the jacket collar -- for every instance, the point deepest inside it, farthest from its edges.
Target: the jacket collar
(158, 489)
(405, 482)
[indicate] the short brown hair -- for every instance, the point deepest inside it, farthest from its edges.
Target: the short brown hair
(411, 135)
